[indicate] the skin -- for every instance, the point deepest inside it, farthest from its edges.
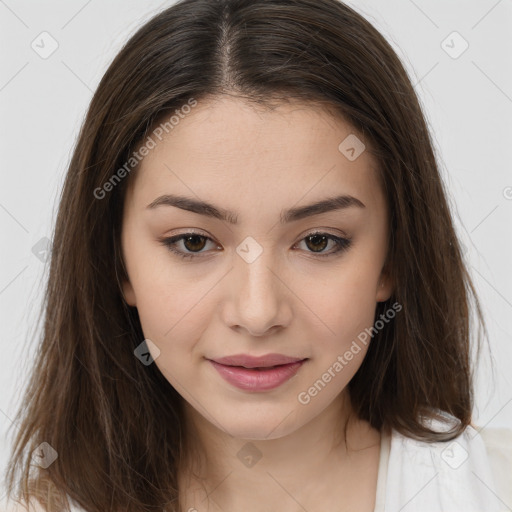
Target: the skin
(289, 300)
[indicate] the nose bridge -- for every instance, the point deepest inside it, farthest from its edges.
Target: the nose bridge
(260, 296)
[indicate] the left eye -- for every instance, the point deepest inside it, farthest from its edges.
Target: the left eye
(316, 241)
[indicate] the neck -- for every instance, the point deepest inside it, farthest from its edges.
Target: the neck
(319, 451)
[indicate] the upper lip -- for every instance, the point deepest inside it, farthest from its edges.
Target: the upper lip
(257, 362)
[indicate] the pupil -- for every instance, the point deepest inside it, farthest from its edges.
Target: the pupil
(193, 237)
(316, 237)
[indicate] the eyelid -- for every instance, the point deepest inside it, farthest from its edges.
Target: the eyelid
(325, 231)
(343, 242)
(307, 232)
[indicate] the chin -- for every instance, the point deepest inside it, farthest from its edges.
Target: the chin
(257, 427)
(256, 432)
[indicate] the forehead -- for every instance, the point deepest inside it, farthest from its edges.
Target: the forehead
(227, 149)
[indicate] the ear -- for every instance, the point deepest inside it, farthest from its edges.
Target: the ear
(385, 287)
(129, 293)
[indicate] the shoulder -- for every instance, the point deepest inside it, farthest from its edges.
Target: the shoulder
(468, 473)
(498, 445)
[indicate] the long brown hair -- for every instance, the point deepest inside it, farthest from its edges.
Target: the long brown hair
(117, 424)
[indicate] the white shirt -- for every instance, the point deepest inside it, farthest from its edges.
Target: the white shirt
(471, 473)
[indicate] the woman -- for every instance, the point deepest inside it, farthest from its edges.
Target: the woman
(256, 283)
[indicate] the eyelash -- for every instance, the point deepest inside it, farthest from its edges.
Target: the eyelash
(342, 244)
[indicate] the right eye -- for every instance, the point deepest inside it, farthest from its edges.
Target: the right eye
(193, 242)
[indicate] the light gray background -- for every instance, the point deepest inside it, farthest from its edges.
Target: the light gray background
(467, 101)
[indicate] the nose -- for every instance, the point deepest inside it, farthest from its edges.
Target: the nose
(260, 300)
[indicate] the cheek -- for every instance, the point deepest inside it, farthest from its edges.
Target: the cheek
(168, 310)
(341, 315)
(173, 305)
(341, 306)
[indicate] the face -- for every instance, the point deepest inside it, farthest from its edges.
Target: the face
(256, 273)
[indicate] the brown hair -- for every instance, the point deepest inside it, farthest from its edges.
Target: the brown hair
(89, 397)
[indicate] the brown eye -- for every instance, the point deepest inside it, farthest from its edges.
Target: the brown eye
(317, 243)
(191, 245)
(187, 245)
(194, 243)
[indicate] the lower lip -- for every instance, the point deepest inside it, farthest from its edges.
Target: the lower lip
(257, 380)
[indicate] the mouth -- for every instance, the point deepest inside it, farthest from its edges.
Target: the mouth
(259, 362)
(257, 374)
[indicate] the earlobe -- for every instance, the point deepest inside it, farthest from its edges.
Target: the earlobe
(129, 293)
(384, 289)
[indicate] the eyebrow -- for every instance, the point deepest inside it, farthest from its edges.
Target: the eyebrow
(293, 214)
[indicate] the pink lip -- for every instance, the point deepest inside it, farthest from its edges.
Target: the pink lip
(257, 373)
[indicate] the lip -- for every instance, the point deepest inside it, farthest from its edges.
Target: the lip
(256, 361)
(257, 373)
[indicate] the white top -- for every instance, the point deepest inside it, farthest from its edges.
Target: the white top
(471, 473)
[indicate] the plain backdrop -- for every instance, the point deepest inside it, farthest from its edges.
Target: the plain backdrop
(457, 54)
